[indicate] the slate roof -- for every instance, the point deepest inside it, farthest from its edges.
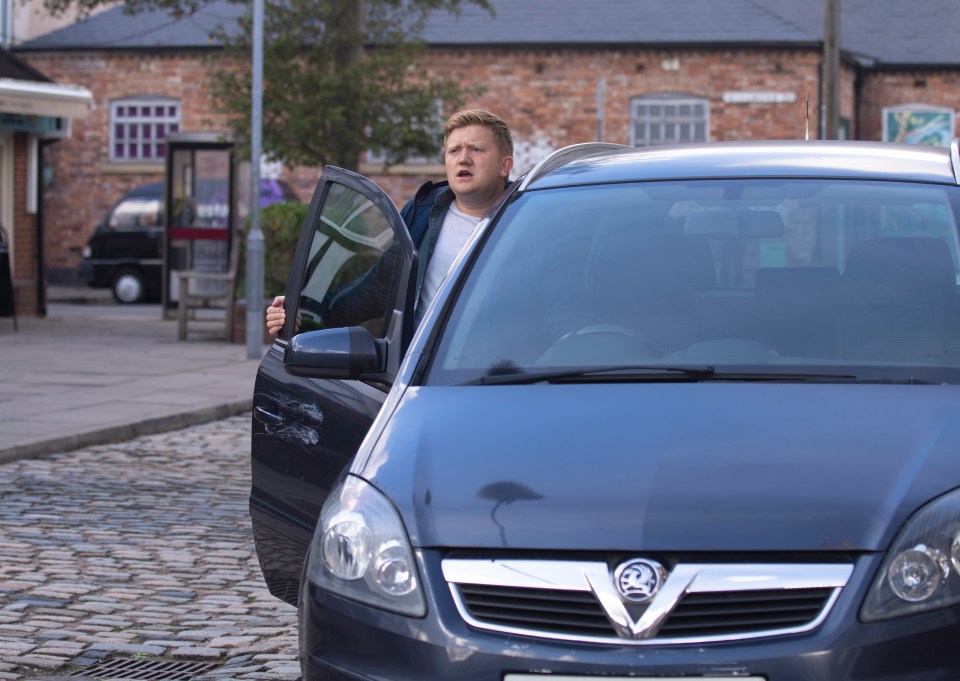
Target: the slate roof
(876, 32)
(616, 22)
(113, 29)
(887, 32)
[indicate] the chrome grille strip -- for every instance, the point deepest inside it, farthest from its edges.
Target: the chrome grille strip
(596, 578)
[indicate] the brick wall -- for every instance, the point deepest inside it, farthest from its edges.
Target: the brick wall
(553, 93)
(25, 262)
(896, 88)
(549, 97)
(84, 183)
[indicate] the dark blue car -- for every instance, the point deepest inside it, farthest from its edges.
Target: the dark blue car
(676, 413)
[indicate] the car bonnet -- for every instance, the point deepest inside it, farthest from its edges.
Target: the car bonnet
(670, 467)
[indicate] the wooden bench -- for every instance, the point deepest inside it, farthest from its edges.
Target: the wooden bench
(193, 297)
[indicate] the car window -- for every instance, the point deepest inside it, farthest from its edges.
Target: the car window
(775, 273)
(350, 266)
(136, 213)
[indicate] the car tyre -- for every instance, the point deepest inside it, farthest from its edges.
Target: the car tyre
(129, 286)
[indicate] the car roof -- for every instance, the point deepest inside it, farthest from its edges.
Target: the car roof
(153, 189)
(607, 163)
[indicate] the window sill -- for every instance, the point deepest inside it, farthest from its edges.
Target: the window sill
(112, 168)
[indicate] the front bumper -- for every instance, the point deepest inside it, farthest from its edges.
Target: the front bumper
(95, 273)
(346, 641)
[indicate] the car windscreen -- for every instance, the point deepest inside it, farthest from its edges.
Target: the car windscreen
(790, 277)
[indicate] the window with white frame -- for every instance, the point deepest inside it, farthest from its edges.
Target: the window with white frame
(668, 119)
(139, 128)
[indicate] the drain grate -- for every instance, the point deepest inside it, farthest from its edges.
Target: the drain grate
(146, 670)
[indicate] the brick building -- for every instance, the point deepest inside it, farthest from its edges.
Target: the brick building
(34, 112)
(561, 71)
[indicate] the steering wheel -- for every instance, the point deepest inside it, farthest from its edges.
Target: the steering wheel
(605, 343)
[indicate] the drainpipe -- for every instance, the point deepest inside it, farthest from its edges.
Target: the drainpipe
(831, 60)
(41, 267)
(857, 97)
(601, 113)
(820, 103)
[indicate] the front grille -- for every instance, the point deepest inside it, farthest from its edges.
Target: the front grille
(696, 615)
(744, 611)
(564, 600)
(571, 612)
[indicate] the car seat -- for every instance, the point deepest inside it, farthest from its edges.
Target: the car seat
(896, 304)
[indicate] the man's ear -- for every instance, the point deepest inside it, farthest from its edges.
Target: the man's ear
(506, 165)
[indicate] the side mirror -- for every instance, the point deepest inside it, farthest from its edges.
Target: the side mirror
(343, 353)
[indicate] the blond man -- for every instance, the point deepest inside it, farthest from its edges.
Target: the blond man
(478, 158)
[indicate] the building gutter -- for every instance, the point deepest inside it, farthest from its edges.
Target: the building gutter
(34, 98)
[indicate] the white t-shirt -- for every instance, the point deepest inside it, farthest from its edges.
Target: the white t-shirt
(454, 232)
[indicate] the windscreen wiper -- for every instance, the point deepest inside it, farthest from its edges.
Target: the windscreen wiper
(633, 373)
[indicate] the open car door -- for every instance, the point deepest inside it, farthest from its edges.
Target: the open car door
(352, 268)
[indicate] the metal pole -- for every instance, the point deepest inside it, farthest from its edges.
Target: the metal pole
(254, 278)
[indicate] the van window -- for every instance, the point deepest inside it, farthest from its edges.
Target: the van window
(137, 213)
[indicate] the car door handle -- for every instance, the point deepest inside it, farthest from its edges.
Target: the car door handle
(264, 416)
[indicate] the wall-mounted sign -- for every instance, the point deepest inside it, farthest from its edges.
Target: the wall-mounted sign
(759, 97)
(38, 125)
(918, 124)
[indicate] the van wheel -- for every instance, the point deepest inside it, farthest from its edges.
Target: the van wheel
(129, 287)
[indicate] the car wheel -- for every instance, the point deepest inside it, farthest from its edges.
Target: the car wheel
(129, 287)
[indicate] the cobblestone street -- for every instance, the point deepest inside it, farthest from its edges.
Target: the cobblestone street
(139, 550)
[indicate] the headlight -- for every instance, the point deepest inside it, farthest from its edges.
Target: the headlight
(360, 551)
(922, 570)
(87, 251)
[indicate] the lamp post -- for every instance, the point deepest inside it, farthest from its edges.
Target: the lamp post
(254, 278)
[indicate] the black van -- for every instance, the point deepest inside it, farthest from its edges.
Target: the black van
(125, 251)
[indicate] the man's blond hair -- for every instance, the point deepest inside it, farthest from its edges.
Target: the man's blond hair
(499, 127)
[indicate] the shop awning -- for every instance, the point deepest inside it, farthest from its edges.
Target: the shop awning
(35, 98)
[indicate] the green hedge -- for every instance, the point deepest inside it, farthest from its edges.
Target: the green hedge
(280, 224)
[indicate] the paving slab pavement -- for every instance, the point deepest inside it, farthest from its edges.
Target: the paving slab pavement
(93, 371)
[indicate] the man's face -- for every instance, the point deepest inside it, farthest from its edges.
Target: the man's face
(476, 168)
